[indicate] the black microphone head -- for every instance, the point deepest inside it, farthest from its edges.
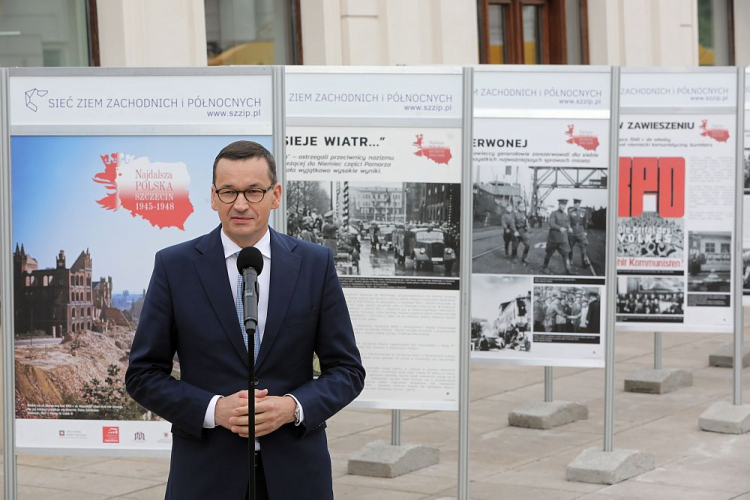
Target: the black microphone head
(250, 257)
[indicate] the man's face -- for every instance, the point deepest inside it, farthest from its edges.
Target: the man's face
(577, 205)
(561, 206)
(245, 223)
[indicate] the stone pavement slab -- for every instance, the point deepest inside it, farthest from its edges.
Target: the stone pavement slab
(505, 462)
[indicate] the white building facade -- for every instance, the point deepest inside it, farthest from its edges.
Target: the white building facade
(147, 33)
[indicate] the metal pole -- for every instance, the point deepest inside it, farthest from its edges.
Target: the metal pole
(465, 335)
(658, 346)
(279, 143)
(548, 392)
(6, 292)
(739, 316)
(396, 428)
(611, 270)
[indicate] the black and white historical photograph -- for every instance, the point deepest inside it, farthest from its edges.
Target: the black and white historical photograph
(567, 309)
(380, 228)
(500, 313)
(534, 220)
(651, 295)
(710, 261)
(650, 235)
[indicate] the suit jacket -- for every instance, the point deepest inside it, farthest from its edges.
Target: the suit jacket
(593, 318)
(189, 310)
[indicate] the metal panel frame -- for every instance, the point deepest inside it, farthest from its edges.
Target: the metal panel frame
(6, 292)
(465, 288)
(6, 286)
(718, 110)
(99, 72)
(393, 123)
(588, 114)
(278, 115)
(611, 271)
(382, 70)
(739, 311)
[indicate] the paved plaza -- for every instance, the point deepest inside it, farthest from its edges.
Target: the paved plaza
(506, 462)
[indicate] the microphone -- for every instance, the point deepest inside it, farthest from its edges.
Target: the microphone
(250, 265)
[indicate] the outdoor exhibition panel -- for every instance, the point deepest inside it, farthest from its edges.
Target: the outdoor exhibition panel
(541, 165)
(677, 194)
(108, 167)
(373, 171)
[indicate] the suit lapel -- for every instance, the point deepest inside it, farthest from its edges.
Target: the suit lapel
(212, 271)
(285, 267)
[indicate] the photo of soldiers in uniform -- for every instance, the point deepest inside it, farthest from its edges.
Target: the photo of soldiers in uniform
(566, 309)
(747, 170)
(650, 296)
(501, 313)
(709, 261)
(539, 220)
(380, 229)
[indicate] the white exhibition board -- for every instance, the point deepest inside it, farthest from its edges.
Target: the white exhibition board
(380, 150)
(676, 200)
(538, 285)
(109, 166)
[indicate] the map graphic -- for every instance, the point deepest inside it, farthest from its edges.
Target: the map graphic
(436, 152)
(157, 192)
(716, 133)
(587, 141)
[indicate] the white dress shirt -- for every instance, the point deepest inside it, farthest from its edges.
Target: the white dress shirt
(231, 249)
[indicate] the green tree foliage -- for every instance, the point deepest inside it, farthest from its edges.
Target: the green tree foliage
(110, 400)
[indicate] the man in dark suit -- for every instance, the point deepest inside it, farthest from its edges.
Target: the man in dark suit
(593, 319)
(190, 310)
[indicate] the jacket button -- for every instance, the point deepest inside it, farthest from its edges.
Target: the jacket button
(256, 382)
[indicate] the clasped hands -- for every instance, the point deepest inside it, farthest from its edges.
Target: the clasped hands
(271, 412)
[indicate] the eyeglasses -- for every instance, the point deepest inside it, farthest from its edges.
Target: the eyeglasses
(252, 195)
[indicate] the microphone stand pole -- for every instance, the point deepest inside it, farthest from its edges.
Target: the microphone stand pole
(251, 413)
(250, 330)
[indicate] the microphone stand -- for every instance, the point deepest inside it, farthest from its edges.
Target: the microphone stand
(250, 327)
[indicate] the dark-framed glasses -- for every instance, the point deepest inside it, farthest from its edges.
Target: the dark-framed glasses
(252, 195)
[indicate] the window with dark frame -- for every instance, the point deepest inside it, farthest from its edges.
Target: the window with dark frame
(716, 32)
(250, 32)
(40, 33)
(533, 31)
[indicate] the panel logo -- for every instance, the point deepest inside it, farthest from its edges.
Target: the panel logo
(29, 98)
(716, 133)
(139, 436)
(435, 151)
(586, 140)
(110, 434)
(71, 434)
(166, 437)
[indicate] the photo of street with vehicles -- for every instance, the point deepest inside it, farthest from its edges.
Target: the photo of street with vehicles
(380, 229)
